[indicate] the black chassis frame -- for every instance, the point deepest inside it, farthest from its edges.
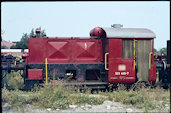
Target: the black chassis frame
(60, 70)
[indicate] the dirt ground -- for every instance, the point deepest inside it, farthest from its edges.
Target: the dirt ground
(107, 106)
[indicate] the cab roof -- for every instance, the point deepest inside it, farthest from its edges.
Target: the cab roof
(128, 33)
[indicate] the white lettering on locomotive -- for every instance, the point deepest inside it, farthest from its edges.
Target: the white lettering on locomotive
(121, 73)
(117, 73)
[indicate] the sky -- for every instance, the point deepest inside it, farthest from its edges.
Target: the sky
(76, 19)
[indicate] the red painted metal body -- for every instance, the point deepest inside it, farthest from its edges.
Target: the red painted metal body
(152, 71)
(97, 31)
(35, 74)
(60, 50)
(24, 55)
(120, 70)
(87, 51)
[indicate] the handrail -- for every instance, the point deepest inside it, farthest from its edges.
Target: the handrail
(106, 61)
(46, 70)
(134, 56)
(150, 60)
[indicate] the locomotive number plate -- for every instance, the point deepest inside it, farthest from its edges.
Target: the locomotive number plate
(121, 73)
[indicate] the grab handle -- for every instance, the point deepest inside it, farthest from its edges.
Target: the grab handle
(150, 60)
(46, 70)
(106, 61)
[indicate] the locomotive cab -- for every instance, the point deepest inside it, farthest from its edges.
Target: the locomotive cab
(130, 55)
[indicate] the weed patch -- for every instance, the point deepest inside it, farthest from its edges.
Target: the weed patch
(143, 98)
(60, 97)
(54, 97)
(13, 80)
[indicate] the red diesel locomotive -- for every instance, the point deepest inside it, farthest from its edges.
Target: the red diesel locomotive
(110, 56)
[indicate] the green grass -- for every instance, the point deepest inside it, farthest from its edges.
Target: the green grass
(60, 97)
(145, 98)
(54, 97)
(13, 80)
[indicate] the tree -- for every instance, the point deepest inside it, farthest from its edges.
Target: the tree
(4, 47)
(32, 33)
(155, 51)
(22, 44)
(163, 51)
(13, 47)
(42, 34)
